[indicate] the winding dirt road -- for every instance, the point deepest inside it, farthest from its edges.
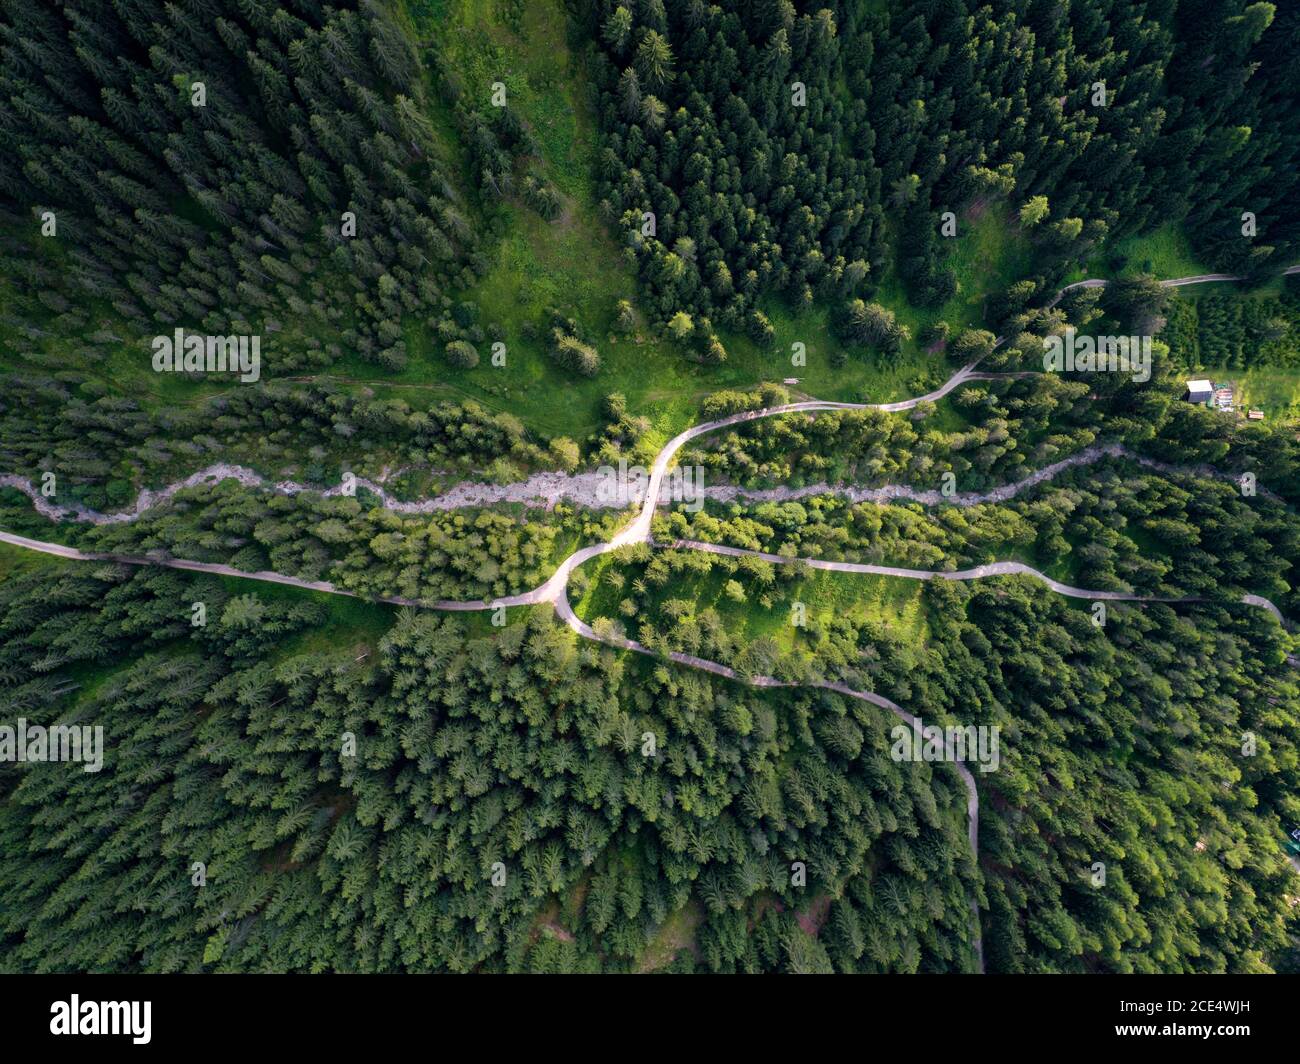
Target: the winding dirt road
(584, 488)
(1176, 282)
(554, 590)
(541, 487)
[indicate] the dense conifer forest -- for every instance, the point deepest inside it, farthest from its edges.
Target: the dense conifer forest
(513, 250)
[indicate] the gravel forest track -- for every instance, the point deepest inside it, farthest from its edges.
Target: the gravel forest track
(554, 591)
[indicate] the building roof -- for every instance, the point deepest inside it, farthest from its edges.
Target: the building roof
(1200, 386)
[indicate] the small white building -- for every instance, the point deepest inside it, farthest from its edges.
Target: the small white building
(1199, 392)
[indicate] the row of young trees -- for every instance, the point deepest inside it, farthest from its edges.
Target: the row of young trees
(1222, 331)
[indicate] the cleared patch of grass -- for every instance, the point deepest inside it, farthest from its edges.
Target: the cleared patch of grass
(989, 253)
(576, 265)
(1164, 252)
(18, 561)
(347, 622)
(1274, 390)
(887, 601)
(891, 602)
(676, 934)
